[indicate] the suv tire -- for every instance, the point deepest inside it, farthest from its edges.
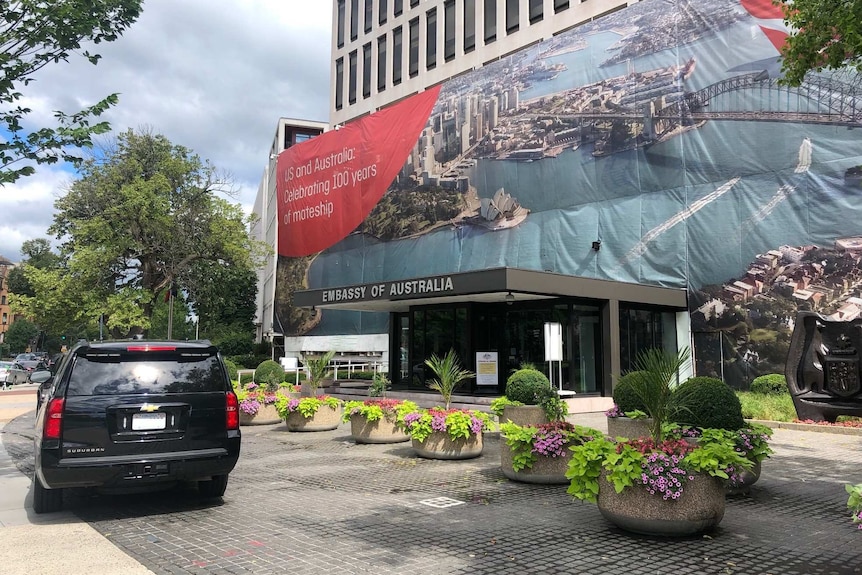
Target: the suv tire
(215, 487)
(46, 500)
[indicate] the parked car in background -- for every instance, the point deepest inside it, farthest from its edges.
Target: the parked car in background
(135, 414)
(20, 371)
(4, 372)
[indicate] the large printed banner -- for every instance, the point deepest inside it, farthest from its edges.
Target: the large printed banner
(328, 185)
(660, 130)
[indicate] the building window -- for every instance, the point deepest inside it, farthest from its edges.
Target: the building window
(643, 329)
(366, 71)
(3, 300)
(490, 21)
(431, 39)
(469, 25)
(369, 15)
(339, 83)
(449, 30)
(414, 3)
(382, 9)
(397, 51)
(354, 19)
(513, 16)
(351, 80)
(5, 318)
(398, 7)
(413, 56)
(381, 63)
(537, 11)
(560, 5)
(340, 30)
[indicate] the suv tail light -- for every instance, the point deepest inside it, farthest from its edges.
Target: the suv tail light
(232, 410)
(54, 419)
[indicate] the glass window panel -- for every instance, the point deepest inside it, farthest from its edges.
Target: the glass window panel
(449, 30)
(354, 19)
(413, 56)
(340, 26)
(397, 51)
(397, 7)
(513, 15)
(366, 70)
(339, 83)
(351, 80)
(383, 7)
(560, 5)
(469, 25)
(431, 39)
(381, 63)
(490, 21)
(537, 11)
(369, 15)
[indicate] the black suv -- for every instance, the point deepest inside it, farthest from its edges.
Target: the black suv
(133, 414)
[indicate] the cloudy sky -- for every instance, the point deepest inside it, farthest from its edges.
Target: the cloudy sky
(211, 75)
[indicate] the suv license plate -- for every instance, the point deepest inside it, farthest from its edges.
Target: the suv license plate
(148, 421)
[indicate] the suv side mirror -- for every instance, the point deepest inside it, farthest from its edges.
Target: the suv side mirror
(41, 376)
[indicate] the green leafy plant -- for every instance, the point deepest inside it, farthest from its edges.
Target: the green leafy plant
(380, 384)
(252, 396)
(661, 467)
(624, 395)
(458, 423)
(318, 368)
(307, 406)
(269, 374)
(555, 408)
(231, 370)
(656, 384)
(525, 384)
(449, 375)
(392, 410)
(706, 402)
(527, 443)
(770, 384)
(500, 403)
(854, 502)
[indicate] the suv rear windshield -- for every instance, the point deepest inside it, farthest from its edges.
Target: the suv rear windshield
(121, 373)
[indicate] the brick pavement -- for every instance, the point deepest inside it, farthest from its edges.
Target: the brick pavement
(309, 503)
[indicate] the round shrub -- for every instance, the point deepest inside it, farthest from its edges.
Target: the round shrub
(769, 384)
(624, 393)
(269, 373)
(231, 369)
(706, 402)
(526, 385)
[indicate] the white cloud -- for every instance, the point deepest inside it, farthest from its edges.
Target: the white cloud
(211, 76)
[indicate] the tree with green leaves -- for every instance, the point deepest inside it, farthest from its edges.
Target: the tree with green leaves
(33, 34)
(224, 298)
(37, 253)
(20, 334)
(449, 374)
(825, 35)
(142, 213)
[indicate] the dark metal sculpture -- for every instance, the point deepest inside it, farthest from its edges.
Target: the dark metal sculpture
(822, 367)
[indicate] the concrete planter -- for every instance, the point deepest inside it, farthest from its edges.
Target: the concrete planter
(266, 415)
(546, 470)
(748, 478)
(439, 445)
(381, 431)
(627, 427)
(324, 419)
(700, 507)
(524, 415)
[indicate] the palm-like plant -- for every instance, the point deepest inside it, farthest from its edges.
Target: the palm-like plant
(449, 374)
(318, 368)
(659, 371)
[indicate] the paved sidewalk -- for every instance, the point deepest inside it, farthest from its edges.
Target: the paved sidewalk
(55, 544)
(317, 503)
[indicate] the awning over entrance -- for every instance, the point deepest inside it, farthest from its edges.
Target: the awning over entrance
(489, 286)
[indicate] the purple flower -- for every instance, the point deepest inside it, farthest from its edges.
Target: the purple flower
(293, 404)
(615, 411)
(438, 422)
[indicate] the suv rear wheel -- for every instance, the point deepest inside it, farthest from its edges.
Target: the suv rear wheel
(215, 487)
(46, 500)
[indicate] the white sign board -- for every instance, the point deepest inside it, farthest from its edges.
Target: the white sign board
(487, 372)
(553, 342)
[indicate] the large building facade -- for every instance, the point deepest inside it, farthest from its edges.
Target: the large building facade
(632, 175)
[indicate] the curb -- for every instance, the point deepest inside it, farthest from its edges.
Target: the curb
(836, 429)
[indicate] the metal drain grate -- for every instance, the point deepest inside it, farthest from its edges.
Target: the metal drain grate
(441, 502)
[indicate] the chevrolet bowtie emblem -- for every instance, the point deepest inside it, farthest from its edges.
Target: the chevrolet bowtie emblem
(149, 407)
